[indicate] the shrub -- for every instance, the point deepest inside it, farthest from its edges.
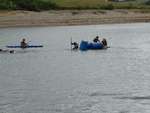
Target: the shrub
(107, 6)
(32, 5)
(7, 4)
(148, 2)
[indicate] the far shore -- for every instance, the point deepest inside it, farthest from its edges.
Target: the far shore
(70, 17)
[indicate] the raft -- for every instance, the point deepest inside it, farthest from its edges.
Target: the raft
(85, 45)
(28, 46)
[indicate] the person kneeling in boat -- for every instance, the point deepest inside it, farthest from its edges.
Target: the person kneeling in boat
(96, 39)
(23, 43)
(76, 45)
(104, 42)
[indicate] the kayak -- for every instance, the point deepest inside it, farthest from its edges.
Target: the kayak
(28, 46)
(85, 45)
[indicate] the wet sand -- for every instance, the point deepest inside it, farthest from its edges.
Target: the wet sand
(70, 17)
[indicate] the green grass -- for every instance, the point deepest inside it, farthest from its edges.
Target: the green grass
(100, 4)
(79, 3)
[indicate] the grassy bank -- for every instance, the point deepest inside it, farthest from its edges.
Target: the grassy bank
(101, 4)
(38, 5)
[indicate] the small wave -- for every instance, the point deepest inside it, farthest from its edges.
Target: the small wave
(135, 98)
(105, 94)
(124, 112)
(4, 104)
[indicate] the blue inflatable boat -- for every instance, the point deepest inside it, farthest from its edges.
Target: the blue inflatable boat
(28, 46)
(85, 45)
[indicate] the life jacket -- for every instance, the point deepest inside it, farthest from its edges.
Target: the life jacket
(23, 45)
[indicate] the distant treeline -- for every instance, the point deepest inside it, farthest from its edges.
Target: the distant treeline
(32, 5)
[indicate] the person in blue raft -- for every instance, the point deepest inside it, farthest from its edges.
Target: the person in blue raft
(96, 39)
(103, 42)
(95, 45)
(23, 43)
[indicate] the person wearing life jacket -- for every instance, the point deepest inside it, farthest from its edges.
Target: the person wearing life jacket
(96, 39)
(23, 43)
(104, 42)
(76, 45)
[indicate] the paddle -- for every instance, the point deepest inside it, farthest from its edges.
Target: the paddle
(71, 42)
(28, 42)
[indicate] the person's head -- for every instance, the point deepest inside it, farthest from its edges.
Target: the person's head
(97, 37)
(23, 40)
(11, 51)
(104, 39)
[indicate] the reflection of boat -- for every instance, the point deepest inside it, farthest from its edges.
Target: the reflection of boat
(28, 46)
(85, 45)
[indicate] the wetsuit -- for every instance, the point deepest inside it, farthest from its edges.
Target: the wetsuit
(76, 46)
(104, 42)
(96, 40)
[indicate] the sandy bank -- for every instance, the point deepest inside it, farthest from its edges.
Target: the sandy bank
(70, 17)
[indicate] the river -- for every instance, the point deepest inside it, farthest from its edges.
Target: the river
(54, 79)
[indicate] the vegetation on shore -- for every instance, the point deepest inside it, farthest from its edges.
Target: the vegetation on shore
(32, 5)
(38, 5)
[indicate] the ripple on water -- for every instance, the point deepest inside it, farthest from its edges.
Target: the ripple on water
(96, 94)
(12, 99)
(134, 97)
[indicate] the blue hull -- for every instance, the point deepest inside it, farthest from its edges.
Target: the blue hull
(85, 45)
(29, 46)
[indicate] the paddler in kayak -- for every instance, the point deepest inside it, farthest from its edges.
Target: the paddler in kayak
(23, 43)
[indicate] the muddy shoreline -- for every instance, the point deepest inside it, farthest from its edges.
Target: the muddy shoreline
(70, 17)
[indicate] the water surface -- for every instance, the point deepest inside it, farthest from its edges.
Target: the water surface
(55, 79)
